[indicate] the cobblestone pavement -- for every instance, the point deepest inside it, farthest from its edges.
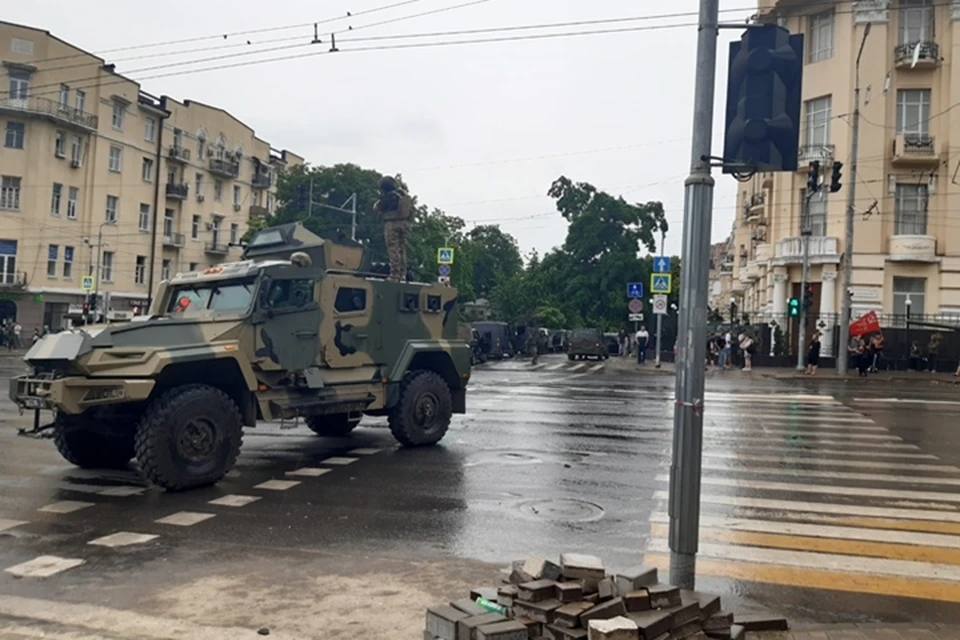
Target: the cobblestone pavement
(868, 632)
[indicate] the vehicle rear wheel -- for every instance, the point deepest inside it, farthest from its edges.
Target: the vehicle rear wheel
(189, 437)
(423, 413)
(79, 444)
(333, 425)
(570, 356)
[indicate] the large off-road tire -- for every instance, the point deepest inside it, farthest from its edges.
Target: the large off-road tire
(335, 425)
(423, 413)
(189, 437)
(79, 444)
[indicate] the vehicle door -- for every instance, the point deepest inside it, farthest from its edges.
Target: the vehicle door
(349, 334)
(287, 323)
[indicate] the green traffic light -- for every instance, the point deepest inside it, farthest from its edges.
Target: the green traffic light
(794, 307)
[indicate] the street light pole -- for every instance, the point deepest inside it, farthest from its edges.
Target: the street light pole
(908, 303)
(684, 507)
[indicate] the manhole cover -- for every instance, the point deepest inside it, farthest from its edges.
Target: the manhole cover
(519, 457)
(562, 510)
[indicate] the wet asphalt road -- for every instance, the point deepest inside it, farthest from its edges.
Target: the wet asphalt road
(828, 501)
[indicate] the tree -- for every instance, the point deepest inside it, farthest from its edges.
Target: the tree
(495, 256)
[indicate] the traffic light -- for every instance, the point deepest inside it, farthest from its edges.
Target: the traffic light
(92, 302)
(763, 101)
(835, 177)
(808, 297)
(813, 178)
(793, 306)
(303, 197)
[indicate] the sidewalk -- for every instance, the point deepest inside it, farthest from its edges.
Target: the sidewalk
(867, 632)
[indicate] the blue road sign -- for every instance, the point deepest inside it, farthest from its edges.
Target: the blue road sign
(635, 290)
(444, 270)
(445, 255)
(661, 283)
(661, 264)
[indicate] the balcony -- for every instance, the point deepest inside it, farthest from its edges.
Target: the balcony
(225, 168)
(178, 154)
(915, 149)
(177, 191)
(261, 180)
(175, 240)
(49, 109)
(762, 253)
(823, 250)
(913, 248)
(13, 280)
(753, 211)
(822, 153)
(215, 248)
(927, 55)
(256, 211)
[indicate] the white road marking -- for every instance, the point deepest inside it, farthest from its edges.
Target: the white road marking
(822, 507)
(185, 518)
(123, 539)
(308, 472)
(65, 506)
(835, 475)
(905, 401)
(43, 567)
(277, 485)
(815, 434)
(339, 460)
(122, 492)
(234, 500)
(597, 368)
(818, 460)
(577, 367)
(537, 367)
(557, 366)
(746, 414)
(364, 451)
(10, 524)
(823, 561)
(726, 439)
(773, 397)
(790, 448)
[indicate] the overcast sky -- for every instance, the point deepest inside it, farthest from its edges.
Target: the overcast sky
(479, 130)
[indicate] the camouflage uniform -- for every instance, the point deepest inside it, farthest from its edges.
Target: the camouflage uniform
(532, 344)
(394, 205)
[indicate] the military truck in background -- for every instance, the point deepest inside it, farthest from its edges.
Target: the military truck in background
(299, 328)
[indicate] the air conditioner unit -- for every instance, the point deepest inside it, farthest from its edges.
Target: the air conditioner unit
(75, 163)
(236, 207)
(209, 226)
(209, 153)
(200, 197)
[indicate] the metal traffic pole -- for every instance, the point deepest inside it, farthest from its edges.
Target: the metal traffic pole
(805, 233)
(663, 241)
(692, 333)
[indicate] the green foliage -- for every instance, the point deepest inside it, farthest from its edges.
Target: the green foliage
(779, 342)
(551, 318)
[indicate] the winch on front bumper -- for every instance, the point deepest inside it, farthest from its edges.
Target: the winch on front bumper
(32, 392)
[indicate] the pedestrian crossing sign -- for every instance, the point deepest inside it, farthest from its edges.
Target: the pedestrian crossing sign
(445, 255)
(661, 283)
(87, 283)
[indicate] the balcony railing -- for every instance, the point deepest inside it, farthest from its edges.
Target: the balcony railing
(45, 107)
(216, 248)
(179, 154)
(226, 168)
(178, 191)
(261, 180)
(257, 211)
(174, 240)
(823, 249)
(915, 148)
(822, 153)
(927, 56)
(13, 280)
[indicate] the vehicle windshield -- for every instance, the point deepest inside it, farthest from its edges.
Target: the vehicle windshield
(224, 296)
(586, 334)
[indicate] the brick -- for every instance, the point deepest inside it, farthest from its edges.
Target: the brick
(709, 603)
(578, 565)
(569, 591)
(542, 611)
(604, 611)
(591, 597)
(663, 595)
(469, 607)
(519, 576)
(560, 633)
(487, 593)
(719, 620)
(442, 621)
(467, 628)
(618, 628)
(507, 595)
(537, 590)
(687, 629)
(651, 623)
(761, 622)
(634, 578)
(534, 628)
(637, 600)
(508, 630)
(569, 614)
(684, 613)
(606, 589)
(541, 568)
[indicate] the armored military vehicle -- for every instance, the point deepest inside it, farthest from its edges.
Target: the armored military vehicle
(300, 328)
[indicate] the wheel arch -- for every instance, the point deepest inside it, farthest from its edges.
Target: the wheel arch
(450, 362)
(224, 373)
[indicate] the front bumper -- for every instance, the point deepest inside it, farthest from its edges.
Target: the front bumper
(74, 395)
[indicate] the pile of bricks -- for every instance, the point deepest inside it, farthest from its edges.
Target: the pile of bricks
(578, 600)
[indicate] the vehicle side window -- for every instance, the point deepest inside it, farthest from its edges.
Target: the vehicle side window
(350, 299)
(289, 294)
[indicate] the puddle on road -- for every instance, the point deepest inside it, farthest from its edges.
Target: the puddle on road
(521, 458)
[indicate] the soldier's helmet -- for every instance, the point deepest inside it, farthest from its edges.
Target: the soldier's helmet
(387, 184)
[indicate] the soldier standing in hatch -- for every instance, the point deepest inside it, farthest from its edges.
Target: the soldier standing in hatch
(394, 205)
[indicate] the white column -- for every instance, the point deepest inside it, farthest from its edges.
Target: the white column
(828, 309)
(779, 296)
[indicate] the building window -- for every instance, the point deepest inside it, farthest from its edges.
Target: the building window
(118, 111)
(149, 129)
(55, 199)
(68, 262)
(195, 228)
(106, 267)
(177, 139)
(168, 220)
(818, 122)
(19, 86)
(116, 155)
(140, 271)
(271, 200)
(64, 96)
(73, 194)
(217, 190)
(821, 36)
(913, 110)
(193, 266)
(52, 252)
(234, 233)
(236, 196)
(144, 220)
(60, 145)
(910, 214)
(199, 188)
(8, 261)
(111, 211)
(165, 269)
(216, 230)
(76, 148)
(817, 212)
(201, 144)
(146, 170)
(80, 100)
(10, 193)
(912, 288)
(916, 21)
(15, 134)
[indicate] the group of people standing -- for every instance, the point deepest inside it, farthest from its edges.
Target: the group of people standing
(630, 343)
(726, 352)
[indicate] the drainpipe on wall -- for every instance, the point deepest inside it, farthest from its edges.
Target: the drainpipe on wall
(164, 114)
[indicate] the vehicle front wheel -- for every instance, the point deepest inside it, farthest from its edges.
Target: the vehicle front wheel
(334, 425)
(189, 437)
(422, 415)
(80, 444)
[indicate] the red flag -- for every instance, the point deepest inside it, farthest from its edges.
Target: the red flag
(868, 323)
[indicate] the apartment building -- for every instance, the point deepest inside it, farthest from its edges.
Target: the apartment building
(906, 251)
(99, 178)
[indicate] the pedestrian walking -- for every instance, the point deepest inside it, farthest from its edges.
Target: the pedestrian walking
(622, 342)
(933, 351)
(913, 358)
(17, 331)
(876, 351)
(532, 343)
(863, 358)
(813, 354)
(36, 335)
(643, 339)
(746, 346)
(395, 206)
(727, 350)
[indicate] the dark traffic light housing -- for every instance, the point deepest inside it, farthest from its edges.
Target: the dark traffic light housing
(813, 178)
(793, 307)
(808, 297)
(763, 101)
(835, 177)
(303, 197)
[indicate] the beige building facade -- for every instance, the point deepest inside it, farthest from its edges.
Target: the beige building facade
(96, 173)
(906, 251)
